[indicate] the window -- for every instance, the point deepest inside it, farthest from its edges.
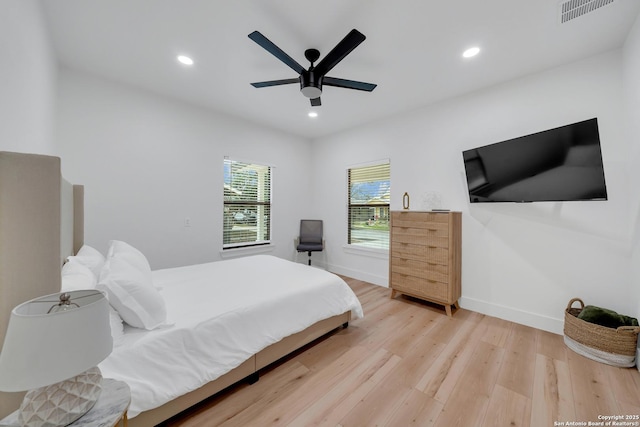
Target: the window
(247, 204)
(369, 195)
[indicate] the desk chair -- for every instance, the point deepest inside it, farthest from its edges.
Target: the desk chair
(310, 239)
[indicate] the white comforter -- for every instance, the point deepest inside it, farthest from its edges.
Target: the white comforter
(219, 314)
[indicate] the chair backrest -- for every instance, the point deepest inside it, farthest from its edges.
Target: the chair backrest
(311, 231)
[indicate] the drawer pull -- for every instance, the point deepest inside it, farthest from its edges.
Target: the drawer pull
(431, 247)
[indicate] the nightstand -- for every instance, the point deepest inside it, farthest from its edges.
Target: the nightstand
(109, 411)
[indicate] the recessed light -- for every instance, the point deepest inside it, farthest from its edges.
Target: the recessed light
(473, 51)
(185, 60)
(312, 114)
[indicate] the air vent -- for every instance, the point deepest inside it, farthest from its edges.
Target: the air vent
(572, 9)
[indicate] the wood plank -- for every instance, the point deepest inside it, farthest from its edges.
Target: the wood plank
(441, 377)
(552, 392)
(379, 404)
(592, 389)
(497, 332)
(393, 322)
(631, 410)
(625, 384)
(283, 380)
(518, 366)
(415, 325)
(282, 409)
(508, 408)
(417, 361)
(551, 345)
(353, 386)
(417, 410)
(318, 355)
(467, 404)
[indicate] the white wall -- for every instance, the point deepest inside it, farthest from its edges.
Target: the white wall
(148, 162)
(520, 261)
(27, 93)
(27, 80)
(632, 98)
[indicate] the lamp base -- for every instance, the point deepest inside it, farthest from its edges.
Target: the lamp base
(62, 403)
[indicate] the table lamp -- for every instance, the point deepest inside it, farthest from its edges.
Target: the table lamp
(51, 348)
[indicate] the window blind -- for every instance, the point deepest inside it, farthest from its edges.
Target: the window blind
(369, 190)
(247, 204)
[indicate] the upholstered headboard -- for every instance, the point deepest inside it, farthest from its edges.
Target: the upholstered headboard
(41, 223)
(71, 219)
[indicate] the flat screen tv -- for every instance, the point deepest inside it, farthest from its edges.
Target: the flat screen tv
(561, 164)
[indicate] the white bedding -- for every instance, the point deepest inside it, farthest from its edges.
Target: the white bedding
(219, 314)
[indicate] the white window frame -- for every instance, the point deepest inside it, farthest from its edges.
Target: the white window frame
(262, 202)
(380, 209)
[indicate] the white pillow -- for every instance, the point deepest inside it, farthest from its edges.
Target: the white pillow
(117, 326)
(131, 293)
(76, 276)
(89, 257)
(132, 255)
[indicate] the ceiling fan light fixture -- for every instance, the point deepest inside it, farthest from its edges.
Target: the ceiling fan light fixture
(310, 84)
(311, 92)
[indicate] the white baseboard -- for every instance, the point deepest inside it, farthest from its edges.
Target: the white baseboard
(360, 275)
(534, 320)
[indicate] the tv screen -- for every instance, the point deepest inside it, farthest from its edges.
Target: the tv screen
(561, 164)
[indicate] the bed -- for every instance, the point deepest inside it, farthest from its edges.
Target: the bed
(223, 321)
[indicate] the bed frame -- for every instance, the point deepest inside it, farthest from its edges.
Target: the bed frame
(248, 371)
(41, 223)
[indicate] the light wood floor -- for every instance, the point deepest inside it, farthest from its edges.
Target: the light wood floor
(407, 364)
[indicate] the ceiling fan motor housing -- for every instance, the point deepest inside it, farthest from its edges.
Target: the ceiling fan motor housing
(310, 84)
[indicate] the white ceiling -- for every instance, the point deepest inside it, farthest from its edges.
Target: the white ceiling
(412, 51)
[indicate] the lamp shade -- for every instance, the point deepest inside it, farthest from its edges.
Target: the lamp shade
(47, 343)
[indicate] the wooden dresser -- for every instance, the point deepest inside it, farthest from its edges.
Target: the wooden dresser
(425, 256)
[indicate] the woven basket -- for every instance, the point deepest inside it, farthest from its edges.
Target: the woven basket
(620, 343)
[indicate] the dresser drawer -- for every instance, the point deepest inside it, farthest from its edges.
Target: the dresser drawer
(419, 236)
(409, 251)
(418, 219)
(437, 255)
(425, 253)
(438, 228)
(420, 287)
(423, 270)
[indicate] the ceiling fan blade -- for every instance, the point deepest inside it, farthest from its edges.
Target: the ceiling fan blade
(275, 82)
(348, 84)
(268, 45)
(337, 54)
(315, 102)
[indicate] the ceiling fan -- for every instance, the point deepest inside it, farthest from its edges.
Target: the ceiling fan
(311, 80)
